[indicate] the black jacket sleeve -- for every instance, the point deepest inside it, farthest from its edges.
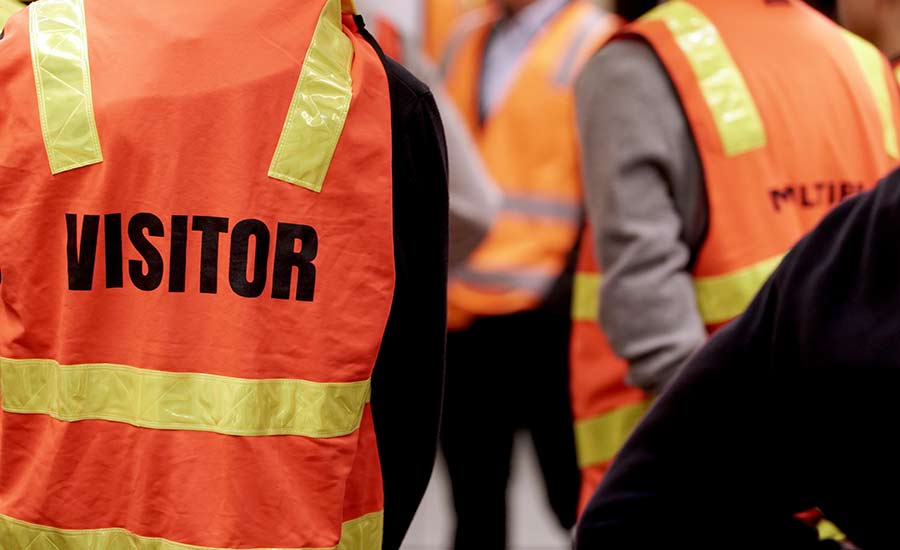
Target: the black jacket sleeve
(789, 408)
(407, 385)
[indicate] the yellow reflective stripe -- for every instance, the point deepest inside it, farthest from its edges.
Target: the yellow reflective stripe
(721, 82)
(829, 531)
(7, 9)
(62, 76)
(724, 297)
(319, 107)
(586, 297)
(181, 401)
(897, 73)
(872, 64)
(363, 533)
(598, 439)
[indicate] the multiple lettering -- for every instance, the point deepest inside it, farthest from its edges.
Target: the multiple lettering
(248, 266)
(814, 195)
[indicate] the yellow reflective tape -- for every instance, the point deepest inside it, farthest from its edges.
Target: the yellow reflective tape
(829, 531)
(872, 64)
(62, 75)
(586, 297)
(7, 9)
(729, 100)
(181, 401)
(363, 533)
(897, 73)
(724, 297)
(319, 107)
(598, 439)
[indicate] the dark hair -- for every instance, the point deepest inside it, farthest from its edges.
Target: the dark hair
(629, 10)
(828, 7)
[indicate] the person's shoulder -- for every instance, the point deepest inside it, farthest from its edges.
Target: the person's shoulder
(403, 83)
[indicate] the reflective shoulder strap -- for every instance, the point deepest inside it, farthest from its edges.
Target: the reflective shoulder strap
(62, 76)
(723, 86)
(319, 107)
(872, 64)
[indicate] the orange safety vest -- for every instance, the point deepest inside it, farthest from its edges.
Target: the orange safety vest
(197, 271)
(530, 148)
(778, 151)
(441, 18)
(7, 9)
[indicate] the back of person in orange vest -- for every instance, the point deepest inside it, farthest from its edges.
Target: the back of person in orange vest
(715, 135)
(511, 78)
(7, 9)
(206, 318)
(878, 21)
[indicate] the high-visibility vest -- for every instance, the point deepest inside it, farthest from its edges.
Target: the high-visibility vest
(440, 21)
(7, 9)
(530, 147)
(780, 144)
(197, 271)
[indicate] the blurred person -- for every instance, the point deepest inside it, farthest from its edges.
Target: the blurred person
(878, 21)
(474, 196)
(511, 78)
(7, 9)
(705, 161)
(222, 278)
(790, 407)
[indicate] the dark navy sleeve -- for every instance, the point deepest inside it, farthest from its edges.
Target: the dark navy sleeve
(791, 407)
(408, 382)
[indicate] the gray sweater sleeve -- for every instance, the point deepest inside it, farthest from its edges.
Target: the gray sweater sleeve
(646, 202)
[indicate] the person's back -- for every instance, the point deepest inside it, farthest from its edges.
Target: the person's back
(789, 116)
(197, 274)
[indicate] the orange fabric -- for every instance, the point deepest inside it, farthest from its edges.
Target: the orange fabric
(389, 39)
(809, 141)
(193, 135)
(441, 19)
(528, 157)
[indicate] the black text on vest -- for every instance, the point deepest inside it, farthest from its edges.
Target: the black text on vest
(295, 248)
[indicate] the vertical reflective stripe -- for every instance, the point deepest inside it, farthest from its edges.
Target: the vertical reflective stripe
(598, 439)
(729, 100)
(363, 533)
(724, 297)
(62, 75)
(586, 297)
(872, 64)
(319, 107)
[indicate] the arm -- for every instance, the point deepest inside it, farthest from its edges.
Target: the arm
(407, 384)
(647, 206)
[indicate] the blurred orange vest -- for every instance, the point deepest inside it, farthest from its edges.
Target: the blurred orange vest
(197, 270)
(778, 151)
(441, 20)
(530, 147)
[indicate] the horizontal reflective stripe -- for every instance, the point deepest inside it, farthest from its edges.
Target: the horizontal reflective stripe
(598, 439)
(528, 206)
(872, 64)
(363, 533)
(723, 86)
(62, 76)
(724, 297)
(181, 401)
(539, 283)
(318, 111)
(586, 297)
